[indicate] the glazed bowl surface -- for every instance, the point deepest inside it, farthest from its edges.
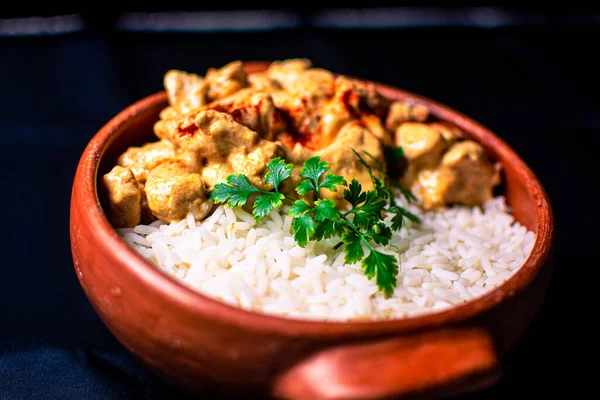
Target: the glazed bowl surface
(203, 345)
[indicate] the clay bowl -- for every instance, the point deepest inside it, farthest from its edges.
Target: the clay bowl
(199, 344)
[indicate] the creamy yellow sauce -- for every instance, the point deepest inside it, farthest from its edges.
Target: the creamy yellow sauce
(230, 122)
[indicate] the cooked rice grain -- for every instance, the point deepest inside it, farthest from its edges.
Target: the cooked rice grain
(455, 255)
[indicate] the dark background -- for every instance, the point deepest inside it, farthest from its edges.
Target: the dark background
(528, 73)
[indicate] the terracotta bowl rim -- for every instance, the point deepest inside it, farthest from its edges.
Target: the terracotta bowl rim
(107, 239)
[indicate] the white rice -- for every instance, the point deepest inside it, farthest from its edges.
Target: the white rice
(454, 255)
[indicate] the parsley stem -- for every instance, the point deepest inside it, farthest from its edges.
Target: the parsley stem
(358, 232)
(337, 246)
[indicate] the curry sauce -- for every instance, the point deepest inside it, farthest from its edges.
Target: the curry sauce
(230, 122)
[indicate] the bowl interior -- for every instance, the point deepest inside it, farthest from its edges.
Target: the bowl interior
(522, 189)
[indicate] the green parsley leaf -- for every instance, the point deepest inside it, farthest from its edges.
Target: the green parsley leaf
(325, 210)
(235, 192)
(299, 208)
(364, 220)
(278, 172)
(384, 268)
(263, 205)
(373, 204)
(304, 228)
(380, 233)
(386, 194)
(304, 223)
(304, 187)
(331, 181)
(329, 228)
(313, 169)
(353, 249)
(398, 154)
(238, 189)
(354, 194)
(370, 211)
(397, 222)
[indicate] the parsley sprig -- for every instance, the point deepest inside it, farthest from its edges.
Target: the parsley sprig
(360, 228)
(238, 189)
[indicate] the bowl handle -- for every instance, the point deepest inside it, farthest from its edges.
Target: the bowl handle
(444, 362)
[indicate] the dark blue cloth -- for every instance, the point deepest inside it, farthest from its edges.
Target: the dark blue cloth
(532, 85)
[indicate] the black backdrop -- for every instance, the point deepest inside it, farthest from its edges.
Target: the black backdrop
(534, 83)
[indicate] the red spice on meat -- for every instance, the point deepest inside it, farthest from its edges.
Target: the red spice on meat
(294, 134)
(350, 100)
(188, 130)
(238, 112)
(277, 117)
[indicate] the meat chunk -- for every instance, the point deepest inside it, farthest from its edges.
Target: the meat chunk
(225, 81)
(422, 144)
(373, 123)
(168, 113)
(313, 84)
(124, 196)
(451, 133)
(353, 100)
(215, 173)
(254, 110)
(142, 159)
(297, 111)
(287, 71)
(402, 111)
(253, 161)
(345, 163)
(443, 168)
(191, 159)
(431, 186)
(189, 92)
(333, 116)
(361, 96)
(423, 147)
(228, 122)
(306, 93)
(465, 176)
(226, 145)
(172, 192)
(185, 92)
(147, 216)
(212, 134)
(350, 101)
(260, 81)
(478, 175)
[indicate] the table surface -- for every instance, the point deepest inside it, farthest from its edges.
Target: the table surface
(535, 86)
